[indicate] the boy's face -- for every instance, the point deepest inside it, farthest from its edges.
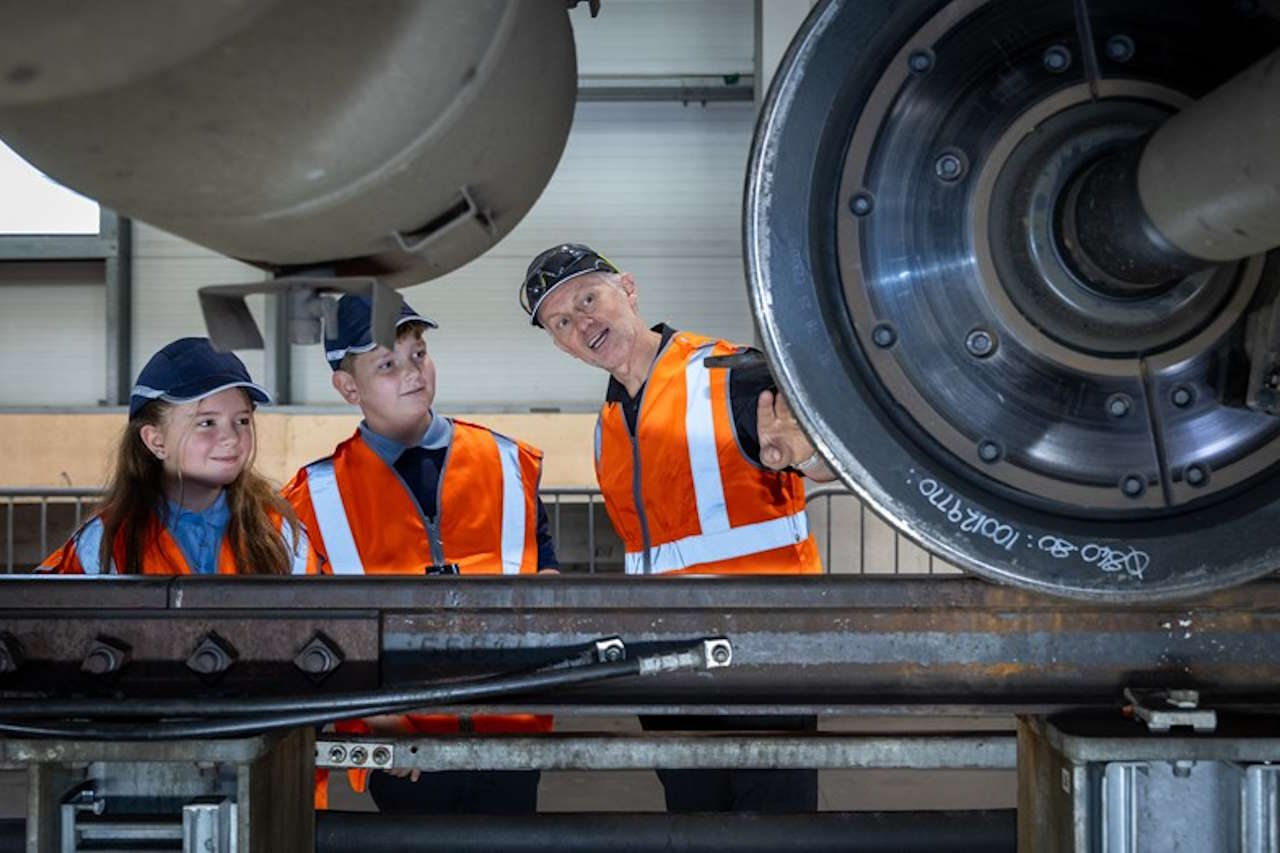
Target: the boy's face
(393, 388)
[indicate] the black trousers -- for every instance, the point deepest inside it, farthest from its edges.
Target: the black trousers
(457, 792)
(736, 790)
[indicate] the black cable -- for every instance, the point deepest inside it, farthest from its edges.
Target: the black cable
(392, 701)
(351, 702)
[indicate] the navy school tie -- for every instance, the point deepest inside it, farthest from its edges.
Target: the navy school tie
(420, 473)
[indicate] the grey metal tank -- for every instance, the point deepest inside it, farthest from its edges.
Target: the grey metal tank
(388, 138)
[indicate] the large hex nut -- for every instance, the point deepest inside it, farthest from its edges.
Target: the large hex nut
(319, 657)
(211, 657)
(10, 654)
(106, 656)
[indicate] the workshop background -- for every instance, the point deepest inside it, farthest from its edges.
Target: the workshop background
(651, 176)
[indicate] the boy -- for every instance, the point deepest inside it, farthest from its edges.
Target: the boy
(412, 492)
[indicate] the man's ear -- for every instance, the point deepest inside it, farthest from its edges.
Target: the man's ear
(153, 438)
(628, 284)
(345, 384)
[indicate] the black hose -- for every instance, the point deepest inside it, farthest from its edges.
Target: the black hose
(744, 832)
(379, 702)
(34, 709)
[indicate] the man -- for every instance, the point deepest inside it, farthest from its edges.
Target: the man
(415, 493)
(700, 469)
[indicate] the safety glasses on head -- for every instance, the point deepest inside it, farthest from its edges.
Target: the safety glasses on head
(553, 268)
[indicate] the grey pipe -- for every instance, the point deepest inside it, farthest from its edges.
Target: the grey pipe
(1203, 189)
(1210, 176)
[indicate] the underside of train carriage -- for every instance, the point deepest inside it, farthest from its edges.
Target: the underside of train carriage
(1013, 262)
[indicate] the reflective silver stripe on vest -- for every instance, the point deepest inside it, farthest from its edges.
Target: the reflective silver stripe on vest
(88, 547)
(700, 436)
(297, 555)
(512, 505)
(331, 515)
(726, 545)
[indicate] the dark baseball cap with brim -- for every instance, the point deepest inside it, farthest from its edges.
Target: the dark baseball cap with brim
(554, 267)
(353, 331)
(191, 369)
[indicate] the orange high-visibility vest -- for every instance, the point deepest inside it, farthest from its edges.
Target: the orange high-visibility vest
(680, 492)
(364, 519)
(162, 555)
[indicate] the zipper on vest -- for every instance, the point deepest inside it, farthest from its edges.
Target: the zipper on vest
(433, 536)
(430, 525)
(433, 524)
(637, 491)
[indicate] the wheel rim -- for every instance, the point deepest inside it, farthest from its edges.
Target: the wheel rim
(964, 379)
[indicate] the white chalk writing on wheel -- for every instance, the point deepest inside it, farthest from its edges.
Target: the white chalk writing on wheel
(1125, 558)
(1121, 558)
(967, 518)
(1107, 558)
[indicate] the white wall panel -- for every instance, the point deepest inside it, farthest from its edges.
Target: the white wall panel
(52, 341)
(656, 187)
(665, 37)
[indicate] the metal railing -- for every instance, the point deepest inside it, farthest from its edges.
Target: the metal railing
(82, 499)
(878, 548)
(835, 515)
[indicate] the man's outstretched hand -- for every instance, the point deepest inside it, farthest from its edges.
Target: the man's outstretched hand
(782, 443)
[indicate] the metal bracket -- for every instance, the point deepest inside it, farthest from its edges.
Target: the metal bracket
(362, 755)
(714, 653)
(1262, 343)
(717, 652)
(231, 325)
(611, 650)
(464, 211)
(1161, 710)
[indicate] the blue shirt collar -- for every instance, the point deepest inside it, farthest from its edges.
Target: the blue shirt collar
(439, 434)
(199, 533)
(216, 514)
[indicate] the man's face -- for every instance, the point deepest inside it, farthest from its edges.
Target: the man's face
(394, 388)
(594, 318)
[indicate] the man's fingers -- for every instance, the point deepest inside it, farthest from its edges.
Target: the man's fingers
(764, 410)
(782, 407)
(403, 773)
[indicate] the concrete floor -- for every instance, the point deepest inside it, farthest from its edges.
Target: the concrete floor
(838, 790)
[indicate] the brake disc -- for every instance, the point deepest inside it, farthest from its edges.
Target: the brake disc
(902, 221)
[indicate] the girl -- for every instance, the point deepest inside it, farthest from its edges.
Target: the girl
(184, 498)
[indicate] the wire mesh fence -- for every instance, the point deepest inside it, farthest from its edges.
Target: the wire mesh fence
(851, 539)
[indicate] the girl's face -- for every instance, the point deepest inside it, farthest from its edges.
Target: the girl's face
(205, 443)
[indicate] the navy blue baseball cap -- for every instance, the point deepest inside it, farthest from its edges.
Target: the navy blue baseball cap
(191, 369)
(554, 267)
(354, 332)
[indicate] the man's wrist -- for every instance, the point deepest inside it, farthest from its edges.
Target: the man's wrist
(811, 463)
